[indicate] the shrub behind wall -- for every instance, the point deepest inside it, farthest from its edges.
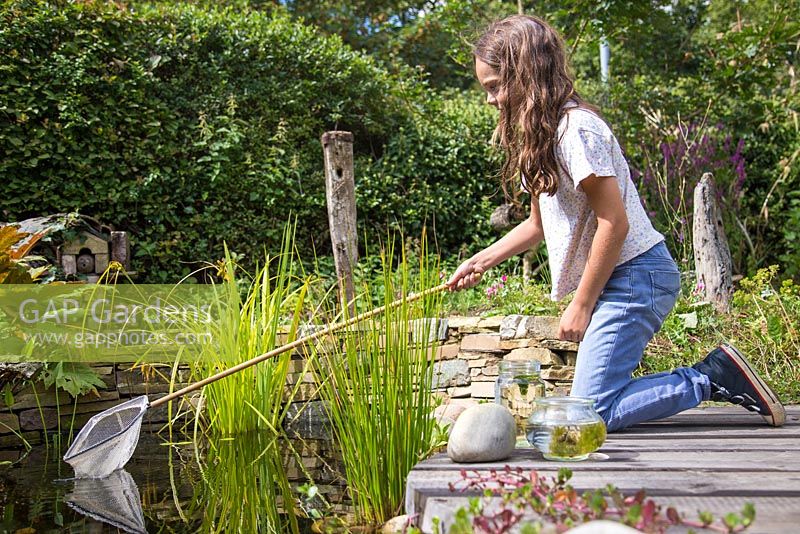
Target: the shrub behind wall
(188, 126)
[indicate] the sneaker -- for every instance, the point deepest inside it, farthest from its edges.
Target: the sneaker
(734, 380)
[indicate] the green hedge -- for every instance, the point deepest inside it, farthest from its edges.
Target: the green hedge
(189, 127)
(439, 171)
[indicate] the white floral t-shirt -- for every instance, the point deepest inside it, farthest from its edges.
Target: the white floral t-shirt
(587, 146)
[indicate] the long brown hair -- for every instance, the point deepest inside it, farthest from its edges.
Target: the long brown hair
(528, 56)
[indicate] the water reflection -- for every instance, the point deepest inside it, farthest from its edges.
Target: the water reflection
(114, 500)
(246, 484)
(245, 487)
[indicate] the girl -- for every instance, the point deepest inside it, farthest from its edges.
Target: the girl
(600, 242)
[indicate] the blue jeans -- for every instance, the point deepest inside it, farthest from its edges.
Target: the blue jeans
(630, 310)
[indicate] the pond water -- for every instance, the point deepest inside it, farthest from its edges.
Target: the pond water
(219, 485)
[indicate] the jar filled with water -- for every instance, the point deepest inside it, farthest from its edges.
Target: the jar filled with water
(518, 386)
(566, 428)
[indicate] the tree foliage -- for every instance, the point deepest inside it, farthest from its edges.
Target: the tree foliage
(193, 124)
(190, 126)
(724, 70)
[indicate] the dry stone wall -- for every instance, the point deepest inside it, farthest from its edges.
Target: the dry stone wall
(36, 410)
(468, 360)
(468, 355)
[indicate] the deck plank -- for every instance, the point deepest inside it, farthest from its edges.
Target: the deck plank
(711, 458)
(649, 443)
(716, 432)
(643, 460)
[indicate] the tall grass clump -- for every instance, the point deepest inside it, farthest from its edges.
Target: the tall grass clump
(253, 315)
(377, 383)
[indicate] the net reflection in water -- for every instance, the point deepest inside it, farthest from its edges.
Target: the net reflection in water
(114, 500)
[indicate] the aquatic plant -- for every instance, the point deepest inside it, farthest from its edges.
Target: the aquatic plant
(253, 315)
(377, 384)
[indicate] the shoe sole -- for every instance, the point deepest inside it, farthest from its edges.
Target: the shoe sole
(777, 413)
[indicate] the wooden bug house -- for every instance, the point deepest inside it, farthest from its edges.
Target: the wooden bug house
(90, 253)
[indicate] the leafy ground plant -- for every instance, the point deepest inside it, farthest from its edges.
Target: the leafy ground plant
(14, 266)
(503, 293)
(763, 322)
(559, 505)
(766, 323)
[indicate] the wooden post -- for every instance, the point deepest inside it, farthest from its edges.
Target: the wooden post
(341, 197)
(712, 257)
(121, 249)
(506, 216)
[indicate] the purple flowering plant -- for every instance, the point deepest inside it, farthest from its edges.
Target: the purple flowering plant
(495, 288)
(667, 177)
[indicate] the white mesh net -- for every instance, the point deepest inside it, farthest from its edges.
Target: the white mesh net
(114, 500)
(108, 440)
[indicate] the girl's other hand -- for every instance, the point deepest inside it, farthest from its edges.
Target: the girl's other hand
(467, 275)
(574, 322)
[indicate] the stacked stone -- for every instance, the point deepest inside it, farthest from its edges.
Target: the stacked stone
(36, 409)
(469, 359)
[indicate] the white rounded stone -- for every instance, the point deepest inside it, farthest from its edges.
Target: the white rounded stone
(395, 525)
(483, 433)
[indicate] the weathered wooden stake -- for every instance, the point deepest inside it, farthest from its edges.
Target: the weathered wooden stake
(504, 217)
(712, 257)
(121, 249)
(341, 196)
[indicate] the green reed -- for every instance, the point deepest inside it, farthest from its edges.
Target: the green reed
(377, 382)
(253, 315)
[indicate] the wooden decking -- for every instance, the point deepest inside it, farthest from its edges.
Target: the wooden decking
(713, 459)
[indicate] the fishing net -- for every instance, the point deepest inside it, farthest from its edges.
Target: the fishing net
(108, 440)
(114, 500)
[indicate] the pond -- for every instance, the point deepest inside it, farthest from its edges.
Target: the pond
(211, 485)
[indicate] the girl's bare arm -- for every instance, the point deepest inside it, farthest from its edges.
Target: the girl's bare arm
(604, 197)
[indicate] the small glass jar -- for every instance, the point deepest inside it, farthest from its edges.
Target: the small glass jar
(566, 428)
(518, 386)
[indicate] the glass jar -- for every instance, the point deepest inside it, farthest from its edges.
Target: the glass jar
(566, 428)
(518, 386)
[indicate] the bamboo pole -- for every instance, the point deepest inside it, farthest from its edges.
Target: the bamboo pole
(297, 343)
